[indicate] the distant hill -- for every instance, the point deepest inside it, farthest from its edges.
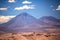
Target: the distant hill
(50, 18)
(51, 21)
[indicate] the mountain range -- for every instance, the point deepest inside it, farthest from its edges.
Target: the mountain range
(24, 22)
(51, 21)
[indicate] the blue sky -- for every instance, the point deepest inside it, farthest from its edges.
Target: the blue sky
(41, 8)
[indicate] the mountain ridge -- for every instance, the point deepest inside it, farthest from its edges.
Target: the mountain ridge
(22, 22)
(26, 23)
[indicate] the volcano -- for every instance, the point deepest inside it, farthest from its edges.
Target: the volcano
(21, 23)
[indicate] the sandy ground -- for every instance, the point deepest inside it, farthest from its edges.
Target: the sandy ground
(30, 36)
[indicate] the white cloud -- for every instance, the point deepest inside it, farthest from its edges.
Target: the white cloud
(4, 19)
(11, 1)
(58, 8)
(25, 7)
(3, 8)
(26, 2)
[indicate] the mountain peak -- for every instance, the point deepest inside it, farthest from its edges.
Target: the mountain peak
(23, 14)
(22, 22)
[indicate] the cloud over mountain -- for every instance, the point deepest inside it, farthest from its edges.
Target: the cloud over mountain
(25, 7)
(4, 19)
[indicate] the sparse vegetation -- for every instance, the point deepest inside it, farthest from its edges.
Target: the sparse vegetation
(31, 36)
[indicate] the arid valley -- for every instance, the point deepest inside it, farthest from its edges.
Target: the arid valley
(30, 36)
